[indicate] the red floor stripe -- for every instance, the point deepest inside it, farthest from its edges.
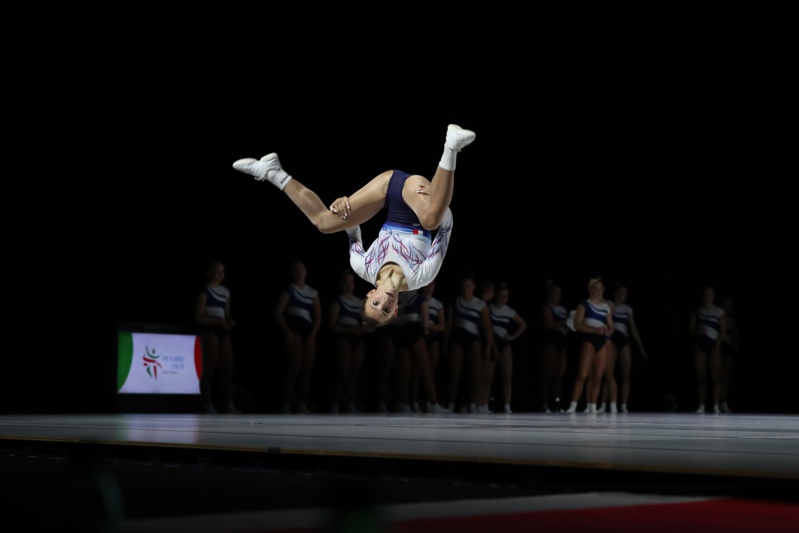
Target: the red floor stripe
(726, 515)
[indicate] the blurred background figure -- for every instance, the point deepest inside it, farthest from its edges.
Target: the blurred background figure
(708, 328)
(298, 313)
(436, 324)
(620, 352)
(468, 323)
(214, 321)
(413, 361)
(508, 326)
(344, 324)
(730, 346)
(552, 349)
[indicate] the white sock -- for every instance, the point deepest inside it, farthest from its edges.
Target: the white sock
(448, 159)
(592, 408)
(572, 407)
(613, 408)
(280, 179)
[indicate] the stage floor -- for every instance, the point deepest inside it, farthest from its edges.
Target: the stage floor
(441, 458)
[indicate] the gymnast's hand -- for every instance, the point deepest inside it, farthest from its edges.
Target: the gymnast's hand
(422, 189)
(341, 207)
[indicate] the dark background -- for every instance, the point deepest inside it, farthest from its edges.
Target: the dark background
(638, 146)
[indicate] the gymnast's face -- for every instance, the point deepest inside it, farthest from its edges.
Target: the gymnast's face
(216, 273)
(709, 296)
(381, 305)
(596, 291)
(621, 294)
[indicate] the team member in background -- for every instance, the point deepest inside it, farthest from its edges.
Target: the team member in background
(344, 322)
(594, 322)
(212, 317)
(620, 351)
(553, 349)
(508, 326)
(298, 313)
(708, 327)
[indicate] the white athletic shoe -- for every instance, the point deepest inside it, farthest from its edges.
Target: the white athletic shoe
(400, 407)
(701, 409)
(458, 138)
(266, 169)
(439, 410)
(601, 408)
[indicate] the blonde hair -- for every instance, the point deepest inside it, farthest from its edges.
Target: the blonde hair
(594, 281)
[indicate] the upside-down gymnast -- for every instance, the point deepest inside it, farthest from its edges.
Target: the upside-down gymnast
(405, 256)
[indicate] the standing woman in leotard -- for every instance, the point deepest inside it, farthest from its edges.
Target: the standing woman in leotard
(708, 327)
(594, 322)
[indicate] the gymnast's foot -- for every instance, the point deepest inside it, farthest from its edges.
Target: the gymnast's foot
(266, 169)
(458, 138)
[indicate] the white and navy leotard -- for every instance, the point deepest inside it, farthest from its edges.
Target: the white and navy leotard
(621, 325)
(434, 307)
(501, 318)
(595, 316)
(708, 324)
(466, 320)
(299, 309)
(349, 316)
(402, 240)
(216, 299)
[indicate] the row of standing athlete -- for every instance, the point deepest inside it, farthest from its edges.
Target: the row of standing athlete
(476, 331)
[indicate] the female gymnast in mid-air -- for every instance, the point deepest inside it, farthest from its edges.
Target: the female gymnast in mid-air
(405, 256)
